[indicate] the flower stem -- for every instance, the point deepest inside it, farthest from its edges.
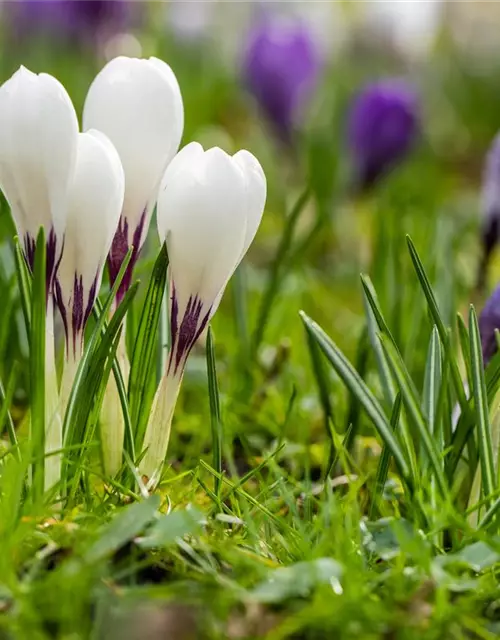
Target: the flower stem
(112, 422)
(53, 422)
(70, 368)
(158, 429)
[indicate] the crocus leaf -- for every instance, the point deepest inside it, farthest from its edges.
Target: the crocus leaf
(488, 474)
(215, 413)
(142, 367)
(24, 281)
(355, 384)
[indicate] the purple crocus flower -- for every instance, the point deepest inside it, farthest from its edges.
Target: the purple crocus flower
(490, 207)
(383, 125)
(280, 68)
(489, 320)
(71, 19)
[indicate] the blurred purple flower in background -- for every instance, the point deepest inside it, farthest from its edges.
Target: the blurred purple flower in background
(489, 320)
(383, 125)
(280, 67)
(490, 207)
(68, 19)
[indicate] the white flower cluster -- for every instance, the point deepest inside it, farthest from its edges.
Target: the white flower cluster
(94, 193)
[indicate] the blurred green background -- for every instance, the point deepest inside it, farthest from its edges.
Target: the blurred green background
(447, 50)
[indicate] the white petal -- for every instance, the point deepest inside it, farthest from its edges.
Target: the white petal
(38, 132)
(96, 199)
(138, 105)
(257, 192)
(202, 211)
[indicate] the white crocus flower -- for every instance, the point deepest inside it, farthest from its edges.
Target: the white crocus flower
(95, 203)
(137, 103)
(209, 209)
(38, 141)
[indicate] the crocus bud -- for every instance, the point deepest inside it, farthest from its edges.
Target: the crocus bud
(138, 105)
(95, 203)
(490, 207)
(209, 209)
(38, 140)
(280, 68)
(382, 129)
(489, 320)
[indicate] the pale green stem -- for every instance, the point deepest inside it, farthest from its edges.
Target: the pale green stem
(112, 422)
(53, 422)
(475, 494)
(70, 368)
(158, 429)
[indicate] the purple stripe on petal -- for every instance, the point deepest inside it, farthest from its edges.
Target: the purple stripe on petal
(184, 336)
(90, 301)
(53, 260)
(174, 325)
(53, 256)
(118, 251)
(29, 250)
(62, 309)
(77, 313)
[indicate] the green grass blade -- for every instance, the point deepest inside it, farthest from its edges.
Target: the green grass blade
(384, 460)
(463, 336)
(352, 423)
(128, 444)
(141, 385)
(89, 377)
(321, 382)
(355, 384)
(465, 426)
(490, 516)
(436, 317)
(371, 303)
(37, 366)
(88, 354)
(486, 458)
(6, 400)
(215, 412)
(377, 324)
(412, 406)
(24, 282)
(276, 270)
(96, 396)
(432, 382)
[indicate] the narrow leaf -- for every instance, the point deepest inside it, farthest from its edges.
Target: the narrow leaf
(488, 476)
(142, 377)
(355, 384)
(384, 460)
(463, 336)
(436, 317)
(24, 281)
(215, 413)
(412, 405)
